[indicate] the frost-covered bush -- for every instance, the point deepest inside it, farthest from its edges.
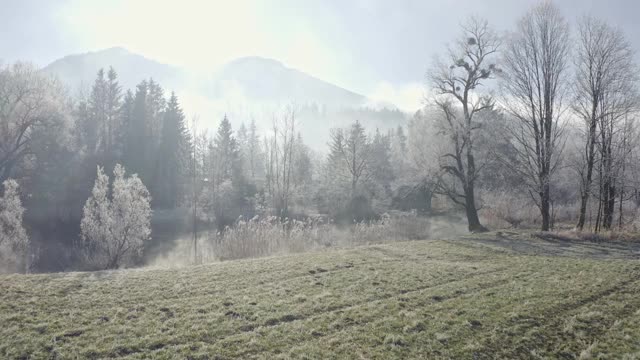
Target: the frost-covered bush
(14, 242)
(114, 229)
(270, 236)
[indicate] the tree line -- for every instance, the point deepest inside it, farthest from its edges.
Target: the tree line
(543, 116)
(568, 103)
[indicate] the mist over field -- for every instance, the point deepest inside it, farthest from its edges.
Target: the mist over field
(363, 179)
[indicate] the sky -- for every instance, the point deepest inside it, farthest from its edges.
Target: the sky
(379, 48)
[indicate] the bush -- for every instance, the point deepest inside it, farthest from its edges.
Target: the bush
(267, 236)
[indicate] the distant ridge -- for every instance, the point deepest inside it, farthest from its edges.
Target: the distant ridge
(258, 79)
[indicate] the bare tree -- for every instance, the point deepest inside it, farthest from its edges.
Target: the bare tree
(616, 132)
(535, 81)
(456, 83)
(28, 101)
(604, 84)
(280, 152)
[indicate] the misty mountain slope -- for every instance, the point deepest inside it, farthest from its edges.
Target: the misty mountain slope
(249, 79)
(243, 89)
(79, 70)
(455, 299)
(263, 79)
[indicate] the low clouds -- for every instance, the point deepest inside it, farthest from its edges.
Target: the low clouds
(407, 97)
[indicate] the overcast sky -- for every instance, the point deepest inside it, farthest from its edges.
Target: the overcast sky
(378, 48)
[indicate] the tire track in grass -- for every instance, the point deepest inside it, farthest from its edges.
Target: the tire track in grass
(552, 318)
(242, 290)
(320, 314)
(287, 318)
(350, 326)
(555, 323)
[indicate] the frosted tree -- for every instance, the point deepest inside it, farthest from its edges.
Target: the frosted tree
(30, 104)
(131, 214)
(457, 84)
(535, 80)
(605, 95)
(114, 230)
(14, 243)
(350, 154)
(280, 148)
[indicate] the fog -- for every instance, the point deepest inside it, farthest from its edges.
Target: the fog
(208, 131)
(311, 179)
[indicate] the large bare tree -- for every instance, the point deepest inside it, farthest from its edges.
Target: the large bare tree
(536, 78)
(604, 95)
(29, 102)
(456, 82)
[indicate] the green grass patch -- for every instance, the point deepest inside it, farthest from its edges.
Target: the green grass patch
(422, 299)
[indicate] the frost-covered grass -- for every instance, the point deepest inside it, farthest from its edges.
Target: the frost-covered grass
(269, 236)
(421, 299)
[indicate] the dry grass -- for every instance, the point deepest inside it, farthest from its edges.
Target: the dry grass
(260, 237)
(600, 237)
(421, 299)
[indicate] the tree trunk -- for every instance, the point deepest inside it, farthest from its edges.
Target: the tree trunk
(545, 206)
(608, 203)
(471, 211)
(584, 196)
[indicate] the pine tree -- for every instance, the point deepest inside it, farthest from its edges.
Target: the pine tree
(156, 105)
(113, 103)
(302, 166)
(254, 153)
(381, 168)
(100, 121)
(137, 137)
(399, 153)
(125, 113)
(243, 145)
(95, 120)
(227, 153)
(173, 157)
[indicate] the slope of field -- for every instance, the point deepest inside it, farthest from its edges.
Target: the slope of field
(464, 299)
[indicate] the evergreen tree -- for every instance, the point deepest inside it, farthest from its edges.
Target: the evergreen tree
(381, 169)
(399, 153)
(254, 153)
(94, 118)
(137, 136)
(302, 166)
(227, 153)
(155, 104)
(251, 153)
(173, 157)
(126, 118)
(100, 121)
(113, 103)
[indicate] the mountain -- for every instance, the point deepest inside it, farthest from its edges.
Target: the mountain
(268, 80)
(243, 89)
(249, 79)
(79, 71)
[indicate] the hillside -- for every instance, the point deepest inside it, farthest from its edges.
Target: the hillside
(474, 298)
(244, 89)
(253, 80)
(268, 80)
(78, 71)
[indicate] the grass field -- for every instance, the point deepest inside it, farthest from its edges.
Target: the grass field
(465, 299)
